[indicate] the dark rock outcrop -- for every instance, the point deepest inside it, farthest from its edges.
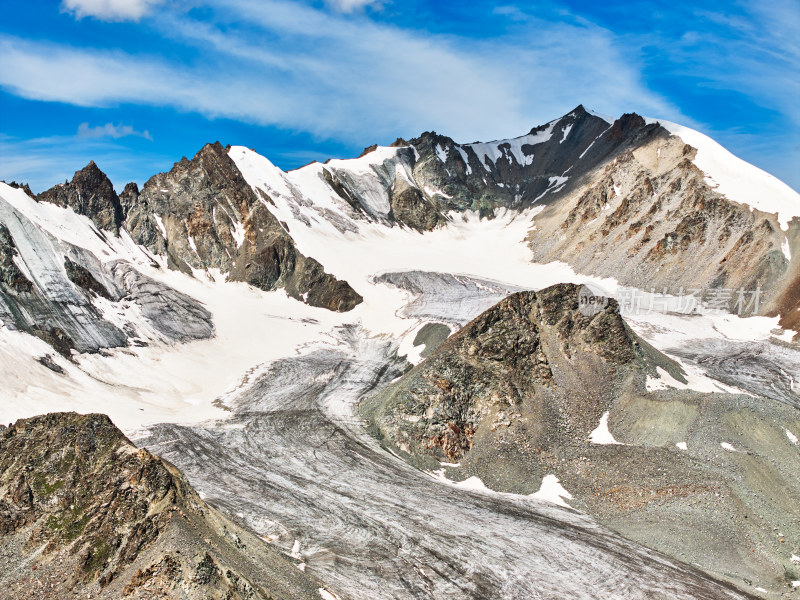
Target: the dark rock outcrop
(114, 521)
(532, 353)
(83, 278)
(90, 193)
(486, 176)
(212, 219)
(10, 274)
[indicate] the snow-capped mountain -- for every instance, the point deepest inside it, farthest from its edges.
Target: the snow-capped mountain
(232, 317)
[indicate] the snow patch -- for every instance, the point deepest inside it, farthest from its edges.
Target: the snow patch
(601, 435)
(432, 192)
(567, 129)
(295, 551)
(727, 446)
(682, 446)
(787, 251)
(238, 233)
(326, 595)
(441, 153)
(607, 118)
(160, 224)
(509, 148)
(192, 245)
(696, 380)
(551, 490)
(593, 141)
(473, 483)
(792, 437)
(554, 184)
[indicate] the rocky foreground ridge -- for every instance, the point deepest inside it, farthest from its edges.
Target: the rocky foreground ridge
(84, 513)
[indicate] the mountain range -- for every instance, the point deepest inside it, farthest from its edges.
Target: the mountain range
(558, 365)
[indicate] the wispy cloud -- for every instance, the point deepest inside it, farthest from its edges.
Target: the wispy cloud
(742, 60)
(510, 11)
(109, 10)
(44, 161)
(109, 130)
(348, 6)
(277, 62)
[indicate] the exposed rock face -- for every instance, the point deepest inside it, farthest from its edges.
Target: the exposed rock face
(113, 521)
(429, 176)
(532, 353)
(90, 193)
(650, 219)
(203, 215)
(82, 277)
(540, 167)
(10, 274)
(62, 293)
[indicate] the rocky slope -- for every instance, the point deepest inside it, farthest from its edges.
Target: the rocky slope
(539, 167)
(65, 282)
(84, 512)
(652, 220)
(534, 352)
(203, 215)
(538, 387)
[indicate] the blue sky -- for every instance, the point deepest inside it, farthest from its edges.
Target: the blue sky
(136, 84)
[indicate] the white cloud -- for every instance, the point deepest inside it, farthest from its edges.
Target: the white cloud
(44, 162)
(109, 10)
(277, 62)
(348, 6)
(111, 131)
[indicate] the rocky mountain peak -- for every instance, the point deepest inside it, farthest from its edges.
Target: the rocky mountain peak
(545, 356)
(625, 125)
(579, 110)
(90, 193)
(129, 197)
(203, 215)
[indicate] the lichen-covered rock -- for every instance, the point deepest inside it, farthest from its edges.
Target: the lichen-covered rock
(532, 354)
(114, 521)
